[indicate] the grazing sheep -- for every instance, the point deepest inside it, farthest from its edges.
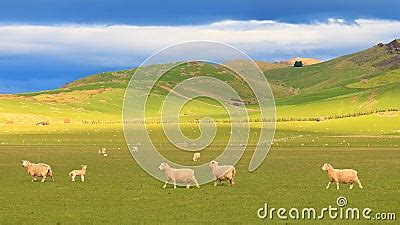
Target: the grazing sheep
(221, 173)
(196, 156)
(81, 172)
(37, 169)
(133, 148)
(344, 176)
(103, 151)
(178, 175)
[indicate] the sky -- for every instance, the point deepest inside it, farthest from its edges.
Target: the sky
(45, 43)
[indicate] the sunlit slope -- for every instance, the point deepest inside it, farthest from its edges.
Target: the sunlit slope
(101, 106)
(360, 82)
(343, 71)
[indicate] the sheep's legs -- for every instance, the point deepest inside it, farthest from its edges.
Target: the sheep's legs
(33, 178)
(215, 183)
(359, 184)
(351, 186)
(337, 185)
(174, 184)
(52, 178)
(43, 179)
(197, 184)
(329, 184)
(165, 185)
(73, 178)
(83, 178)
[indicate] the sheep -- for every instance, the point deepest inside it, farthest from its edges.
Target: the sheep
(134, 149)
(38, 169)
(81, 172)
(221, 173)
(178, 175)
(103, 151)
(196, 156)
(344, 176)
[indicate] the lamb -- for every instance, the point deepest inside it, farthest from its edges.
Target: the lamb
(344, 176)
(178, 175)
(196, 156)
(221, 173)
(81, 172)
(103, 151)
(133, 148)
(37, 169)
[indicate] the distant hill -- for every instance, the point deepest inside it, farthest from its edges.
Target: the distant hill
(359, 82)
(342, 71)
(264, 66)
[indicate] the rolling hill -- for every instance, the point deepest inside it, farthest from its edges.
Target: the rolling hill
(360, 81)
(355, 83)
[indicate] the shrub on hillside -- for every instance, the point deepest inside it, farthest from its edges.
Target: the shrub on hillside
(298, 64)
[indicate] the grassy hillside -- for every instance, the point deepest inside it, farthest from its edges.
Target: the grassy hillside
(356, 83)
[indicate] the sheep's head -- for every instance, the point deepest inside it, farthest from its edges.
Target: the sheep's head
(326, 166)
(84, 167)
(163, 166)
(213, 163)
(25, 163)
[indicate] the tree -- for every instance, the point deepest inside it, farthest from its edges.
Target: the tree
(298, 64)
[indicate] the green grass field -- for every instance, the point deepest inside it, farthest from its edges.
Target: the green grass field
(118, 191)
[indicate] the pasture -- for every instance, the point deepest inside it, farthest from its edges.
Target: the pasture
(118, 191)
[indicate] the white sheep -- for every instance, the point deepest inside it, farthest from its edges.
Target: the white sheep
(178, 175)
(134, 148)
(81, 173)
(221, 173)
(343, 176)
(103, 151)
(196, 156)
(37, 169)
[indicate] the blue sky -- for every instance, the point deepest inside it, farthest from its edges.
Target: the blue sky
(46, 43)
